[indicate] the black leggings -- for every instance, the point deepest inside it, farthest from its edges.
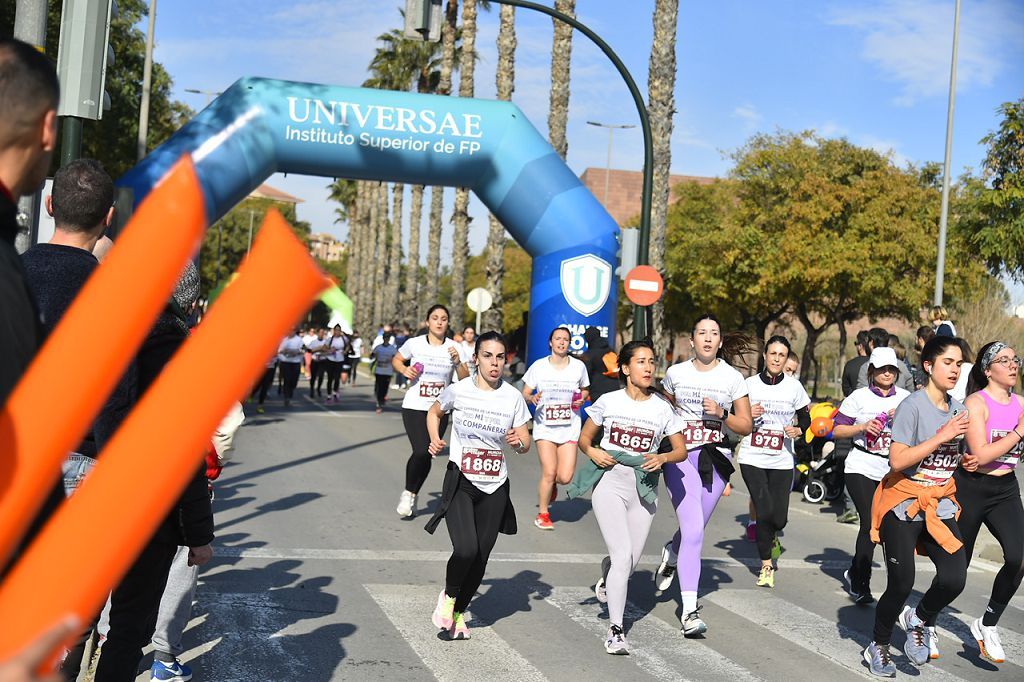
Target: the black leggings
(994, 501)
(769, 490)
(290, 374)
(333, 375)
(265, 382)
(418, 467)
(317, 370)
(473, 519)
(381, 383)
(862, 490)
(899, 539)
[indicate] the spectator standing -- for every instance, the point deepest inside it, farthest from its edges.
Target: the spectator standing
(941, 322)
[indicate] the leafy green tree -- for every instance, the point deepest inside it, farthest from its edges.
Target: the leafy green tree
(515, 285)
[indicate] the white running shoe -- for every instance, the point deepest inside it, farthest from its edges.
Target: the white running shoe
(406, 504)
(615, 643)
(933, 643)
(666, 569)
(693, 625)
(601, 591)
(988, 641)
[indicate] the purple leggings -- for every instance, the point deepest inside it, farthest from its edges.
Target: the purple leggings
(694, 505)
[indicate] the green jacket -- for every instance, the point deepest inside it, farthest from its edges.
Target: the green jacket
(588, 474)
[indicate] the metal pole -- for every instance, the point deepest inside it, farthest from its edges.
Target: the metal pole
(71, 140)
(608, 166)
(147, 81)
(249, 248)
(644, 238)
(220, 238)
(940, 261)
(30, 27)
(477, 327)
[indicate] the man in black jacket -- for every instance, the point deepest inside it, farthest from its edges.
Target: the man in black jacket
(29, 94)
(593, 358)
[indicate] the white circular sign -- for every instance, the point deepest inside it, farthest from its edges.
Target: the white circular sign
(479, 300)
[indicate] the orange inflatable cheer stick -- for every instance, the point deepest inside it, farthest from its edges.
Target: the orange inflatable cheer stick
(92, 346)
(151, 458)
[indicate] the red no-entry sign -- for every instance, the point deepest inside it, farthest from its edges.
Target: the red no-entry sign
(644, 285)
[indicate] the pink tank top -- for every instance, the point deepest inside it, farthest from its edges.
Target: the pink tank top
(1002, 420)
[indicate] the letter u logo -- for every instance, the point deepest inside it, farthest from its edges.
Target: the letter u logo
(586, 283)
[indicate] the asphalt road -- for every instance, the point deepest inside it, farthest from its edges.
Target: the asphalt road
(317, 578)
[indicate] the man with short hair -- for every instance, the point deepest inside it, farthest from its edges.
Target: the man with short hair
(880, 338)
(853, 365)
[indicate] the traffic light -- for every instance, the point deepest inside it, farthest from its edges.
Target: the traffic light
(423, 20)
(626, 255)
(83, 57)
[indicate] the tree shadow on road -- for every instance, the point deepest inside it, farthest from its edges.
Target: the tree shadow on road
(507, 596)
(282, 504)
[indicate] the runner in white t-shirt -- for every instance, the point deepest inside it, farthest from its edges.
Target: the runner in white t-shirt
(710, 395)
(334, 351)
(866, 417)
(766, 456)
(318, 362)
(625, 465)
(487, 414)
(427, 361)
(290, 357)
(308, 338)
(557, 385)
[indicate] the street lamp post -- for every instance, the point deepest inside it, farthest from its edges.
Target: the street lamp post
(940, 262)
(210, 94)
(608, 166)
(147, 81)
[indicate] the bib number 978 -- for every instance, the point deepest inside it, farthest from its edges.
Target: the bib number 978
(632, 438)
(766, 440)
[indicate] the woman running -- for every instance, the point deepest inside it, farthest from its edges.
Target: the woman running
(865, 416)
(291, 355)
(317, 363)
(487, 413)
(991, 495)
(336, 349)
(427, 361)
(709, 395)
(766, 456)
(915, 508)
(382, 355)
(623, 471)
(557, 385)
(355, 356)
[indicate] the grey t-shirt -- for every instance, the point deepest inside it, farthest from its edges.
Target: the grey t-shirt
(916, 421)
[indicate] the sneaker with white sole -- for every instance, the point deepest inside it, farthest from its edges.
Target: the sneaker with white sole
(459, 628)
(406, 503)
(443, 617)
(988, 641)
(933, 643)
(917, 646)
(692, 623)
(666, 569)
(600, 590)
(170, 672)
(615, 643)
(864, 597)
(879, 660)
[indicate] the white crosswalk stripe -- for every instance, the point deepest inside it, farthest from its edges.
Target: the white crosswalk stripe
(831, 640)
(657, 647)
(486, 656)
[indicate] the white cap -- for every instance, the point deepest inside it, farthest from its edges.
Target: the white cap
(884, 357)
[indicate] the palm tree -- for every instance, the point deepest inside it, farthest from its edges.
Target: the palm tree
(561, 54)
(505, 77)
(410, 295)
(661, 82)
(460, 218)
(380, 269)
(394, 276)
(344, 193)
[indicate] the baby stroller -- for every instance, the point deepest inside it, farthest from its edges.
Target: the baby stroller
(822, 475)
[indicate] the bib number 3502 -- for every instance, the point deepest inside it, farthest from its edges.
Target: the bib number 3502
(481, 464)
(632, 438)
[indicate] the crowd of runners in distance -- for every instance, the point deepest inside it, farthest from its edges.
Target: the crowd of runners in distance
(925, 469)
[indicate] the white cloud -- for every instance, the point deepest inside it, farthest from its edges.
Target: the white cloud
(884, 146)
(910, 42)
(750, 116)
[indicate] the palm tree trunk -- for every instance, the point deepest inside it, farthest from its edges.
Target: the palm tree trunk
(434, 246)
(495, 267)
(460, 238)
(357, 223)
(561, 53)
(451, 15)
(369, 252)
(380, 274)
(352, 248)
(394, 276)
(661, 106)
(411, 295)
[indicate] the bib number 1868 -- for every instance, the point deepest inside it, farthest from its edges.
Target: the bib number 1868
(479, 463)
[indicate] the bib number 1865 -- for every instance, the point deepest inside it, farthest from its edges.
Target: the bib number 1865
(632, 438)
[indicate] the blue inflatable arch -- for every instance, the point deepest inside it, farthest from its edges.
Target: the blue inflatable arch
(261, 126)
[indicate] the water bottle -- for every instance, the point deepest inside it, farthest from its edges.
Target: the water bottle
(576, 395)
(418, 366)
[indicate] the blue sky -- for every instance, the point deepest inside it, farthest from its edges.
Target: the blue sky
(874, 71)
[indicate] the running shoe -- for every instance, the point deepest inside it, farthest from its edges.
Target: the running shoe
(933, 643)
(767, 577)
(848, 516)
(916, 647)
(988, 641)
(406, 503)
(170, 672)
(777, 549)
(666, 569)
(600, 590)
(864, 597)
(259, 409)
(380, 410)
(443, 617)
(615, 643)
(879, 660)
(693, 625)
(543, 521)
(752, 531)
(459, 628)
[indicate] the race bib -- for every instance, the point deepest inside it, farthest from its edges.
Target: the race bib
(940, 465)
(880, 444)
(431, 389)
(767, 440)
(481, 465)
(558, 414)
(701, 431)
(632, 438)
(1012, 457)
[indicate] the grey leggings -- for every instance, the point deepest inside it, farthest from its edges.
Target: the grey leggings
(625, 520)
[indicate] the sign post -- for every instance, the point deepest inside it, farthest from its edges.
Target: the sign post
(479, 300)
